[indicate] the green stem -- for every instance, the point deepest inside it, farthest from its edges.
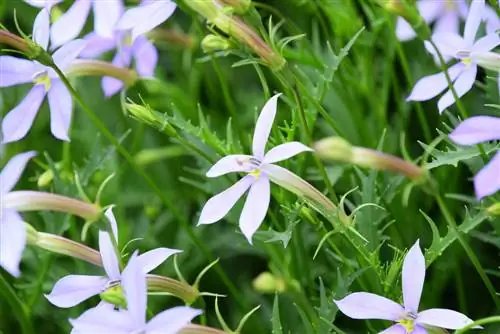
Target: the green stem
(17, 306)
(479, 322)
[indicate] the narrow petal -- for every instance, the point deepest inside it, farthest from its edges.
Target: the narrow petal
(172, 320)
(263, 126)
(152, 259)
(363, 305)
(487, 181)
(12, 241)
(230, 164)
(443, 318)
(428, 87)
(462, 85)
(41, 29)
(430, 10)
(96, 45)
(68, 52)
(447, 22)
(404, 31)
(111, 86)
(135, 287)
(112, 222)
(12, 171)
(61, 107)
(146, 57)
(18, 121)
(285, 151)
(73, 289)
(106, 15)
(419, 330)
(473, 20)
(42, 3)
(476, 130)
(448, 43)
(486, 43)
(15, 71)
(413, 278)
(396, 329)
(219, 205)
(97, 320)
(109, 256)
(71, 23)
(256, 206)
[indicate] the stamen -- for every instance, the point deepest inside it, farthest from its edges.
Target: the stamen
(42, 78)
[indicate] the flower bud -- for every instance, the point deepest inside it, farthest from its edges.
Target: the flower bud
(494, 210)
(115, 296)
(239, 6)
(268, 283)
(487, 60)
(90, 67)
(179, 289)
(212, 43)
(200, 329)
(151, 117)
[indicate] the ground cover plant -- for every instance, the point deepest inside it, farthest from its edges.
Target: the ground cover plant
(241, 166)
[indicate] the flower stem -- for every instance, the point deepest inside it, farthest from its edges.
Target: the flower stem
(479, 322)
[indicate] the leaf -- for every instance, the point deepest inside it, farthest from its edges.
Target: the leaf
(277, 327)
(325, 310)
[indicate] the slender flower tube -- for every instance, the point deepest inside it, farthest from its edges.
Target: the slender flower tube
(15, 42)
(198, 329)
(239, 6)
(88, 67)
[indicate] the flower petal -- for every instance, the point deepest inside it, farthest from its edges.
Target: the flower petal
(230, 164)
(172, 320)
(404, 31)
(473, 20)
(42, 3)
(285, 151)
(96, 45)
(106, 15)
(429, 86)
(12, 171)
(135, 287)
(256, 206)
(109, 256)
(219, 205)
(263, 126)
(71, 290)
(71, 23)
(98, 320)
(41, 29)
(443, 318)
(152, 259)
(12, 241)
(15, 71)
(413, 278)
(111, 86)
(462, 85)
(146, 57)
(18, 121)
(429, 10)
(395, 329)
(487, 181)
(447, 22)
(61, 107)
(68, 52)
(486, 43)
(448, 43)
(363, 305)
(112, 222)
(476, 130)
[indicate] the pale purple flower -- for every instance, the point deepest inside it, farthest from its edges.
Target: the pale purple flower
(445, 14)
(74, 289)
(12, 230)
(466, 50)
(258, 168)
(363, 305)
(43, 3)
(477, 130)
(70, 24)
(15, 71)
(133, 319)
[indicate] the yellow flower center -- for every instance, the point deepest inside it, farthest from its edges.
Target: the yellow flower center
(408, 324)
(467, 61)
(127, 39)
(255, 173)
(450, 5)
(42, 78)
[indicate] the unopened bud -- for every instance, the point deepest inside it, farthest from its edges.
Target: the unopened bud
(487, 60)
(334, 148)
(92, 67)
(115, 296)
(213, 43)
(494, 210)
(239, 6)
(268, 283)
(151, 117)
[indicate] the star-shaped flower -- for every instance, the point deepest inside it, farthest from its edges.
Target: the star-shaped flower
(133, 320)
(12, 230)
(466, 50)
(258, 167)
(74, 289)
(363, 305)
(15, 71)
(477, 130)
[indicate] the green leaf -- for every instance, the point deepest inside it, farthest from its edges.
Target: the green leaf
(277, 327)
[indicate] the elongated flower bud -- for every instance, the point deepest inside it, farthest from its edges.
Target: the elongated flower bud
(336, 148)
(36, 200)
(213, 43)
(487, 60)
(177, 288)
(239, 6)
(199, 329)
(151, 117)
(14, 41)
(85, 67)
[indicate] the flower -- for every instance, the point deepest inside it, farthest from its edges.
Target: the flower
(466, 50)
(446, 15)
(258, 167)
(476, 130)
(43, 3)
(15, 71)
(12, 230)
(70, 24)
(74, 289)
(363, 305)
(133, 319)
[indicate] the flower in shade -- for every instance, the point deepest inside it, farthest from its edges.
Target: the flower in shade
(43, 3)
(363, 305)
(476, 130)
(12, 230)
(74, 289)
(258, 167)
(466, 50)
(445, 14)
(70, 24)
(133, 319)
(15, 71)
